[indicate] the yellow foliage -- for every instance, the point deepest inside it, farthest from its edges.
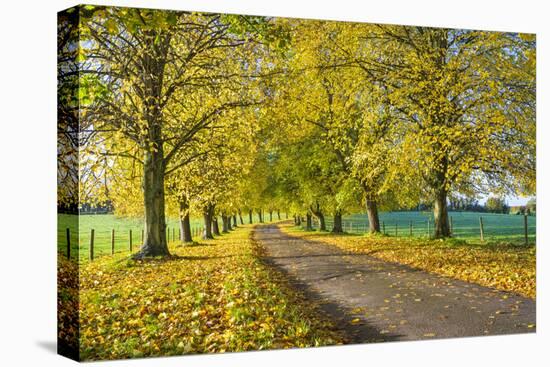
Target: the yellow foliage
(214, 296)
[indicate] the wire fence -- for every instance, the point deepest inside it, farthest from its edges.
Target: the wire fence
(489, 228)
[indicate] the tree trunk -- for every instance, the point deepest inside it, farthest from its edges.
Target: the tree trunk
(260, 216)
(207, 215)
(234, 220)
(298, 220)
(250, 216)
(271, 215)
(229, 226)
(320, 216)
(441, 216)
(154, 243)
(286, 215)
(185, 223)
(154, 164)
(278, 215)
(372, 213)
(337, 227)
(215, 226)
(225, 225)
(309, 225)
(241, 217)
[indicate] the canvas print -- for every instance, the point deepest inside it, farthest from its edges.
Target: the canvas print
(236, 183)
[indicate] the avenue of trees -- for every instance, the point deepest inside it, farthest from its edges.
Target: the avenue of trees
(234, 117)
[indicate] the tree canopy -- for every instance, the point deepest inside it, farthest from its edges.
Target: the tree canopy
(185, 113)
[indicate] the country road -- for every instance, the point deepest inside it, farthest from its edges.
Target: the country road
(372, 300)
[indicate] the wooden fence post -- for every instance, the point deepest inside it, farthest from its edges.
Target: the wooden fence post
(481, 229)
(92, 245)
(526, 234)
(130, 239)
(112, 241)
(410, 228)
(68, 234)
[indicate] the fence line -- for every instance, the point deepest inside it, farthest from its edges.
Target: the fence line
(354, 226)
(107, 242)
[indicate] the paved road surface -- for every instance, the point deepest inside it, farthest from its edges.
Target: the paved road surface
(373, 300)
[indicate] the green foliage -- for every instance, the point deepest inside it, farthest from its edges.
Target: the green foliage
(496, 205)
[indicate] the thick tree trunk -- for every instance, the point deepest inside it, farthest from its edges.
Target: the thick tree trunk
(309, 224)
(441, 216)
(207, 215)
(229, 226)
(372, 213)
(225, 224)
(185, 223)
(337, 227)
(250, 216)
(298, 220)
(215, 226)
(234, 221)
(271, 215)
(154, 243)
(278, 215)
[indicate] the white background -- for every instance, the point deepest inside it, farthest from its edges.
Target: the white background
(28, 182)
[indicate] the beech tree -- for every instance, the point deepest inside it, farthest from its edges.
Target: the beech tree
(467, 100)
(171, 74)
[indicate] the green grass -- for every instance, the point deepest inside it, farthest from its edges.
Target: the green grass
(102, 224)
(497, 227)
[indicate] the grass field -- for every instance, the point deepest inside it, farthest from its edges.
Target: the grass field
(81, 226)
(497, 227)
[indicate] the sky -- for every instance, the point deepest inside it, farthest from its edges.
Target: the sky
(510, 200)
